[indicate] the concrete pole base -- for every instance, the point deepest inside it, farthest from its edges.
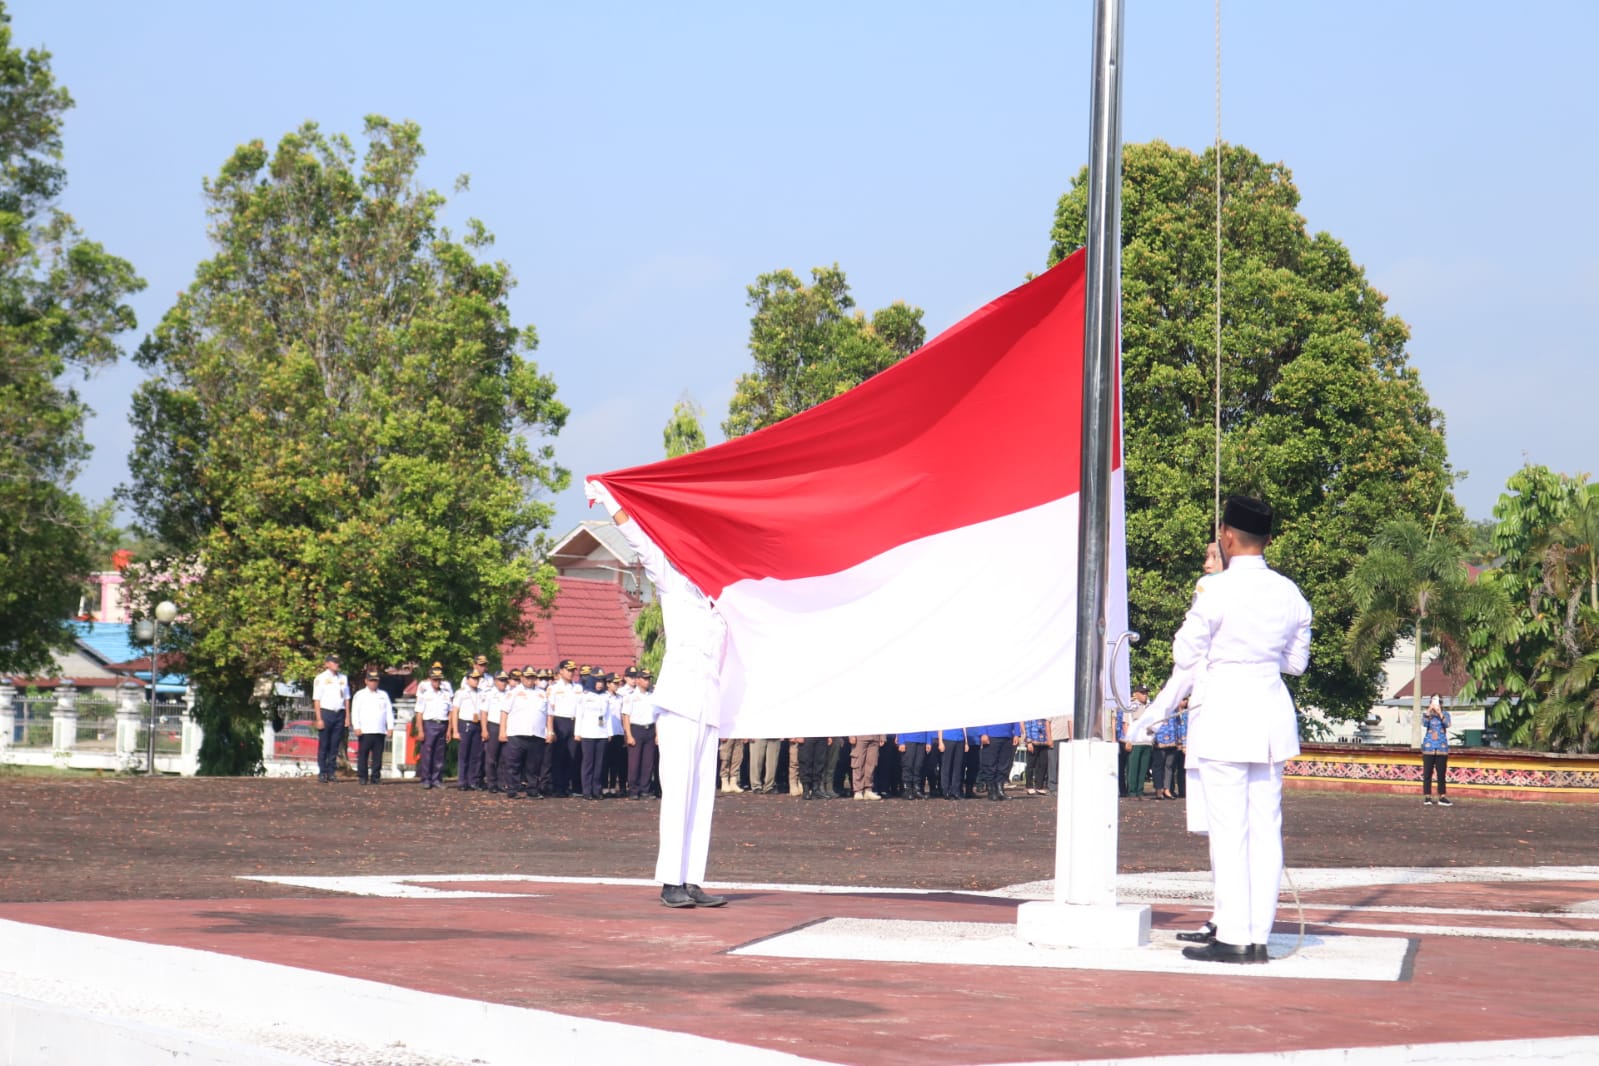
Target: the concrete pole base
(1084, 912)
(1080, 925)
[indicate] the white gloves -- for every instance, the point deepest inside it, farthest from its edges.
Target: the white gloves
(598, 493)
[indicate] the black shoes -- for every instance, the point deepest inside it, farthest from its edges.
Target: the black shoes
(1216, 951)
(1205, 934)
(702, 898)
(689, 896)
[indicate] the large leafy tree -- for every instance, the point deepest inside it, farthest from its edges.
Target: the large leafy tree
(809, 345)
(1321, 413)
(61, 306)
(338, 425)
(1545, 664)
(1412, 582)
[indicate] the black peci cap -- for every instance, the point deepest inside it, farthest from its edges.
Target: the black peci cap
(1247, 515)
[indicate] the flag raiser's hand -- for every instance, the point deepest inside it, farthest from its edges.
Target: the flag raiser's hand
(598, 493)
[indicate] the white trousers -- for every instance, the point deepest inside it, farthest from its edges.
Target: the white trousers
(1244, 812)
(688, 788)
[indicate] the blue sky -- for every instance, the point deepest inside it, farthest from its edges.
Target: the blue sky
(640, 164)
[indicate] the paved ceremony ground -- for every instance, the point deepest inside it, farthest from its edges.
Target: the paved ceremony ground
(283, 921)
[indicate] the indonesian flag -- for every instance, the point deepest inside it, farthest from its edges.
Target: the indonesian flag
(904, 556)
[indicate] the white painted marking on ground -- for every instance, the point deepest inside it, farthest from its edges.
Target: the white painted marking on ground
(419, 886)
(222, 1009)
(1344, 958)
(1483, 932)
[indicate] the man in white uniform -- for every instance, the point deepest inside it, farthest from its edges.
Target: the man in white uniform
(1247, 627)
(330, 696)
(372, 718)
(688, 698)
(433, 700)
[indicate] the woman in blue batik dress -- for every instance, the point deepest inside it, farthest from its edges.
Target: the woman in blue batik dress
(1435, 752)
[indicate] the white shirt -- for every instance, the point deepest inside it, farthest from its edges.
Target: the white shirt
(696, 636)
(563, 698)
(371, 711)
(592, 718)
(494, 701)
(467, 703)
(433, 704)
(636, 704)
(525, 713)
(1248, 626)
(330, 690)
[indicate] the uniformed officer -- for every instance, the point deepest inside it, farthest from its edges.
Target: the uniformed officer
(523, 727)
(1248, 626)
(465, 718)
(433, 701)
(563, 754)
(330, 697)
(494, 701)
(592, 729)
(951, 763)
(638, 730)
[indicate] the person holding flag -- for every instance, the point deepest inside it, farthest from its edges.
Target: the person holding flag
(1248, 626)
(688, 699)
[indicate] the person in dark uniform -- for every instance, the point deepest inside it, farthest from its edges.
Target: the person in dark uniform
(913, 753)
(466, 729)
(593, 730)
(951, 763)
(638, 732)
(813, 765)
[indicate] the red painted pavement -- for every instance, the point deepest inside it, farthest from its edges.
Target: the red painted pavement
(614, 953)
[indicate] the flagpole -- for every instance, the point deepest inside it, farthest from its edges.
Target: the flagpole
(1102, 301)
(1084, 912)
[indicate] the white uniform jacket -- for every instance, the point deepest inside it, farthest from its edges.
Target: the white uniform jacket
(467, 704)
(433, 704)
(563, 698)
(1248, 626)
(696, 636)
(494, 701)
(593, 718)
(524, 713)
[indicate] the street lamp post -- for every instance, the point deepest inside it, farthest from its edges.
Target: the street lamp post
(165, 611)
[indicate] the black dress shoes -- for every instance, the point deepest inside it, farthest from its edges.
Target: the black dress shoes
(702, 898)
(675, 896)
(1203, 935)
(1261, 954)
(1216, 951)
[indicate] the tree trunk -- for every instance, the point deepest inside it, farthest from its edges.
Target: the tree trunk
(1415, 693)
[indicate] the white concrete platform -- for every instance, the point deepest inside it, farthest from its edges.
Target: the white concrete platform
(1343, 958)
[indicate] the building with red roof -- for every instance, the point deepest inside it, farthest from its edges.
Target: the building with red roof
(590, 621)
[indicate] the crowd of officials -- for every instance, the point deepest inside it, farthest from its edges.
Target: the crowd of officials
(576, 730)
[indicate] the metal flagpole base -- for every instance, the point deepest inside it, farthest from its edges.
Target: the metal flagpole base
(1084, 912)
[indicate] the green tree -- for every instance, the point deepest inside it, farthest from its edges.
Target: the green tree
(1542, 665)
(808, 346)
(683, 432)
(61, 306)
(337, 432)
(1414, 583)
(681, 435)
(1321, 413)
(1481, 547)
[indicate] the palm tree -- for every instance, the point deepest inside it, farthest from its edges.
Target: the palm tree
(1412, 581)
(1578, 532)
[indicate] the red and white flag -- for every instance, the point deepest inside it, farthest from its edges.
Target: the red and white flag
(904, 556)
